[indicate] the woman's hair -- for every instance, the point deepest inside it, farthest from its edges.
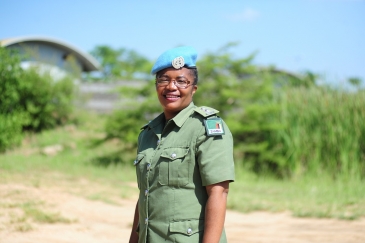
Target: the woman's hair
(194, 73)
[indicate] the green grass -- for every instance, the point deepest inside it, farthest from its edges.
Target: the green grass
(103, 197)
(319, 197)
(23, 214)
(41, 216)
(324, 132)
(85, 156)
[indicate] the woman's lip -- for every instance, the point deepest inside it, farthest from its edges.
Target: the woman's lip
(172, 97)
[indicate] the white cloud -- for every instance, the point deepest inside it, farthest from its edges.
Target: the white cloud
(248, 14)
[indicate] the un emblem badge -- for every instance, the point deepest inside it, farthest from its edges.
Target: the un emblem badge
(178, 62)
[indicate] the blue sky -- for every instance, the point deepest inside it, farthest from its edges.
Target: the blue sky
(323, 36)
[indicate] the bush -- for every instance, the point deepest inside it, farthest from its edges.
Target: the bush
(48, 103)
(29, 100)
(11, 130)
(244, 95)
(126, 124)
(283, 124)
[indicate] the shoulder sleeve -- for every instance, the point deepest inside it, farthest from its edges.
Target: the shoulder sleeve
(140, 136)
(215, 157)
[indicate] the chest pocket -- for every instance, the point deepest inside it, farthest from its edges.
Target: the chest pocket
(174, 167)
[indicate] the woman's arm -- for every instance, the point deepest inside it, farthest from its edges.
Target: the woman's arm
(215, 211)
(134, 235)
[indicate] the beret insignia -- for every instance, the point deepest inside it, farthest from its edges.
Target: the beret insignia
(178, 62)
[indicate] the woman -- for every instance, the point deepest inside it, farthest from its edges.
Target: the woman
(184, 162)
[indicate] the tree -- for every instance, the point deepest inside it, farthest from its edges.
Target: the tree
(248, 99)
(121, 63)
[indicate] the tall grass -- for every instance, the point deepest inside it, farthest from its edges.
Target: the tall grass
(307, 196)
(324, 132)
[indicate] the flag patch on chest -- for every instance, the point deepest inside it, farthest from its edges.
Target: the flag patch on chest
(214, 126)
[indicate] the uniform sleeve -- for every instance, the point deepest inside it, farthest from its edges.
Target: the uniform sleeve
(215, 157)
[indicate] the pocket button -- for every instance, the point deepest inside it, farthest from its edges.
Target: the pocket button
(189, 231)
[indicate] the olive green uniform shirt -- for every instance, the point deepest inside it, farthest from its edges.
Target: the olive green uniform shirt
(175, 162)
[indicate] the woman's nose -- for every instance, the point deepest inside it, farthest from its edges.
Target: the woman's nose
(171, 85)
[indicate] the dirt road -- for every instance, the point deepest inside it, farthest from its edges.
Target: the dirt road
(93, 219)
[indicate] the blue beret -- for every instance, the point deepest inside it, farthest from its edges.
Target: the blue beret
(177, 58)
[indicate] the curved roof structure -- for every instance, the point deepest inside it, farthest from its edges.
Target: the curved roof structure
(87, 61)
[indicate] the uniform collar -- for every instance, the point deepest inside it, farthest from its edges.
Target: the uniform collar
(179, 119)
(183, 115)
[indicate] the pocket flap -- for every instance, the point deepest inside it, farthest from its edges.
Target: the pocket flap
(175, 153)
(138, 159)
(187, 227)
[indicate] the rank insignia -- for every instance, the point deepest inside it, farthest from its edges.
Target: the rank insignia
(214, 126)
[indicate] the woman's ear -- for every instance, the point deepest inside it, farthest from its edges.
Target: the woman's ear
(195, 88)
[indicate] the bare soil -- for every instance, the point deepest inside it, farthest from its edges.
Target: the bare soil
(98, 214)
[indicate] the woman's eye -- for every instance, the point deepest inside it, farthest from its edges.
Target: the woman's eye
(181, 81)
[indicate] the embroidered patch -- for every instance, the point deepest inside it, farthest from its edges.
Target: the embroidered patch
(214, 126)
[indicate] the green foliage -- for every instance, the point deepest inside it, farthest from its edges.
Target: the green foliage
(282, 123)
(30, 100)
(11, 129)
(72, 168)
(40, 216)
(324, 131)
(12, 118)
(126, 124)
(48, 103)
(121, 63)
(247, 98)
(355, 81)
(10, 76)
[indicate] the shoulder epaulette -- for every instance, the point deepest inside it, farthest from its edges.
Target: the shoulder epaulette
(206, 111)
(145, 125)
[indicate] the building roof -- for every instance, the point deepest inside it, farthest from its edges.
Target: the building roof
(88, 62)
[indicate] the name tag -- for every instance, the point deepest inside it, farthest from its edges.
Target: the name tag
(214, 126)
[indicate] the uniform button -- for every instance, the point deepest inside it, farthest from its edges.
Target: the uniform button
(189, 231)
(148, 166)
(146, 221)
(135, 162)
(173, 155)
(146, 192)
(158, 142)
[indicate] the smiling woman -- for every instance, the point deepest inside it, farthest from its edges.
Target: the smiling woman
(183, 164)
(174, 96)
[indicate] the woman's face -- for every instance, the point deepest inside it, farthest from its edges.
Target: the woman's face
(172, 98)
